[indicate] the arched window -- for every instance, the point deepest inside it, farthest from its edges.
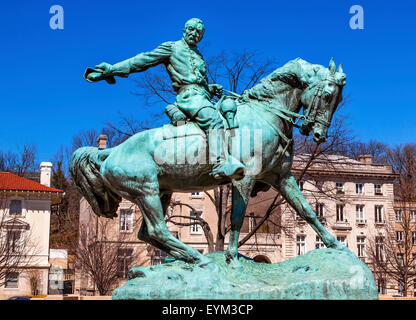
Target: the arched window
(261, 259)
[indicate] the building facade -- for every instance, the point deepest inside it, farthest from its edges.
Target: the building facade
(24, 225)
(354, 200)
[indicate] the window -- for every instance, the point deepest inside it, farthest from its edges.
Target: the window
(340, 213)
(377, 189)
(196, 195)
(401, 287)
(414, 238)
(414, 261)
(13, 239)
(12, 280)
(343, 240)
(413, 216)
(340, 187)
(16, 207)
(319, 244)
(230, 201)
(380, 248)
(320, 210)
(361, 247)
(398, 215)
(124, 262)
(196, 228)
(300, 244)
(126, 220)
(378, 210)
(414, 288)
(399, 236)
(400, 259)
(251, 222)
(300, 184)
(359, 188)
(359, 209)
(382, 286)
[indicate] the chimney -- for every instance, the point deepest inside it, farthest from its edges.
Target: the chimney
(366, 158)
(102, 141)
(45, 173)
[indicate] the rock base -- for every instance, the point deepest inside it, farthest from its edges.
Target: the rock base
(320, 274)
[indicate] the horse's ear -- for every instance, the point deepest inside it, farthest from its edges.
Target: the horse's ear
(340, 69)
(332, 66)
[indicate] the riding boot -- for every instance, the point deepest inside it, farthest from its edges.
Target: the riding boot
(176, 116)
(225, 165)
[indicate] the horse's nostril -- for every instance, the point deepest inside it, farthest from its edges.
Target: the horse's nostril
(317, 135)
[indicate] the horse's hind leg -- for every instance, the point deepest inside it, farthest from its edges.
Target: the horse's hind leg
(153, 215)
(140, 185)
(144, 234)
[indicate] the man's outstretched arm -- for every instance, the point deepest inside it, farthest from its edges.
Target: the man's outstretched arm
(139, 63)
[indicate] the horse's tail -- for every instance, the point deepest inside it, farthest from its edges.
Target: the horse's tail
(85, 172)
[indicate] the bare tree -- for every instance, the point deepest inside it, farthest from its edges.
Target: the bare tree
(392, 254)
(21, 162)
(97, 257)
(103, 255)
(35, 279)
(403, 162)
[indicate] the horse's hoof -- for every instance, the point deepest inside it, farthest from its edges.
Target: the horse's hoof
(232, 261)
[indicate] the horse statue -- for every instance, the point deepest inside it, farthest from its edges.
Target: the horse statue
(266, 115)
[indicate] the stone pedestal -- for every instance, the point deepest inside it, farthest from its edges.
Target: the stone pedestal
(320, 274)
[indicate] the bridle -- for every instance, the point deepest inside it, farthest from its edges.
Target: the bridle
(311, 115)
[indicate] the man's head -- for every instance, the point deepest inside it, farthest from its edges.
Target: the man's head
(193, 31)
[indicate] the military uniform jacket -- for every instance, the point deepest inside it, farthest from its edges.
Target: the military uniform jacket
(186, 68)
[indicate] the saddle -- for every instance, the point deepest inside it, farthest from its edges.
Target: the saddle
(226, 107)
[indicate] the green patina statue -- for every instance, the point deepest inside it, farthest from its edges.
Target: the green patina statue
(188, 73)
(149, 166)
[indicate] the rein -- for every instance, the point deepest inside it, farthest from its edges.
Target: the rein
(290, 116)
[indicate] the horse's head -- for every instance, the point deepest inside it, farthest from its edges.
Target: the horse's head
(320, 99)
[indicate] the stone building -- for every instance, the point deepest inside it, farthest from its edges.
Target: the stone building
(404, 240)
(354, 200)
(25, 207)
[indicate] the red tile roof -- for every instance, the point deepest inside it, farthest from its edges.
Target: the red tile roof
(10, 181)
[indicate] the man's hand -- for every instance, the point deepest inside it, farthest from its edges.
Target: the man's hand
(101, 72)
(216, 90)
(105, 67)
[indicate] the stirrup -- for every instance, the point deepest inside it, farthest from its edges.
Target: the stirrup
(227, 107)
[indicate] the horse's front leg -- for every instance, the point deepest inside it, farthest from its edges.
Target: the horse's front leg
(240, 196)
(290, 191)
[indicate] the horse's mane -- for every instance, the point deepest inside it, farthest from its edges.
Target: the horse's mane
(297, 73)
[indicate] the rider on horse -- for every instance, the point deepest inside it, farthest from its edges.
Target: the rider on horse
(188, 73)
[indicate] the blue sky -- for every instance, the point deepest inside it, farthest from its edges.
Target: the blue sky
(44, 99)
